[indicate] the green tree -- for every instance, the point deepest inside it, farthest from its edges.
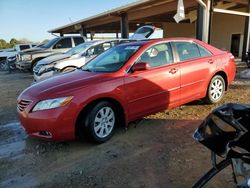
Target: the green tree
(3, 44)
(13, 42)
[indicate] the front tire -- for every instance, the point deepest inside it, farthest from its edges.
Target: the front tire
(99, 122)
(216, 90)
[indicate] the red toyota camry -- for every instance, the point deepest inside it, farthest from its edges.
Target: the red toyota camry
(123, 84)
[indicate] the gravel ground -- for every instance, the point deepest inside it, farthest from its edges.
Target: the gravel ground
(157, 151)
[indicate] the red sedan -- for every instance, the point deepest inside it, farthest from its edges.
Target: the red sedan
(123, 84)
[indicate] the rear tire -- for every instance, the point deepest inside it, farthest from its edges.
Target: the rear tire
(99, 122)
(216, 90)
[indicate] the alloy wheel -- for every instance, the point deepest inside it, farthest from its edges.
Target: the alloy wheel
(217, 89)
(104, 122)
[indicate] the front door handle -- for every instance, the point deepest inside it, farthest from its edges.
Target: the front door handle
(173, 71)
(210, 61)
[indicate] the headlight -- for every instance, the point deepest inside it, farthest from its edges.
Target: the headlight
(26, 57)
(13, 58)
(52, 103)
(46, 68)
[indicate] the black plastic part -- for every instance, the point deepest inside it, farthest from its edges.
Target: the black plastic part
(212, 172)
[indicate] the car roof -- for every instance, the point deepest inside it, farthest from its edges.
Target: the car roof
(154, 41)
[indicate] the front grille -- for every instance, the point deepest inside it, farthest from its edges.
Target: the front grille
(22, 104)
(18, 57)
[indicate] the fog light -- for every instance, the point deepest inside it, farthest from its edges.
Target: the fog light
(45, 133)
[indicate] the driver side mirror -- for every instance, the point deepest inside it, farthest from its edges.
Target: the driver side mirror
(140, 66)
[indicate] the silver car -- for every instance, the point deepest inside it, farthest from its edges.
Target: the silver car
(29, 58)
(72, 59)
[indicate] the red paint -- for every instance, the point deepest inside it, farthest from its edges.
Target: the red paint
(140, 93)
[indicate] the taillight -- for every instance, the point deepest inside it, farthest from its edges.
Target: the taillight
(231, 56)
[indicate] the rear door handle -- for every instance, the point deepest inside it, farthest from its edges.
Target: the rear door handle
(173, 71)
(210, 61)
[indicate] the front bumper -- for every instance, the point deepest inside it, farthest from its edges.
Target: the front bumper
(23, 65)
(56, 124)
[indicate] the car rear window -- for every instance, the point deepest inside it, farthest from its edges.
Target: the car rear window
(145, 31)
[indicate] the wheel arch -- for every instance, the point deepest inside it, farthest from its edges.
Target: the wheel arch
(224, 76)
(122, 116)
(34, 61)
(69, 66)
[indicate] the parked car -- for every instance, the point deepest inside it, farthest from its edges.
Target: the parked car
(123, 84)
(29, 58)
(11, 52)
(72, 59)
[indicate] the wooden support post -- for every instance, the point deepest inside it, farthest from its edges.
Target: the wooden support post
(83, 32)
(199, 23)
(124, 26)
(209, 29)
(246, 36)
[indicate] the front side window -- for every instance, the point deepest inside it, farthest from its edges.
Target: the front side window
(49, 43)
(98, 49)
(64, 43)
(80, 48)
(158, 55)
(187, 50)
(78, 40)
(111, 60)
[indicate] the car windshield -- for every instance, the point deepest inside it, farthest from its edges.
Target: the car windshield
(112, 59)
(80, 48)
(50, 43)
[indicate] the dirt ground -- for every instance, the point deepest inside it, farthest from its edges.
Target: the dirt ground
(157, 151)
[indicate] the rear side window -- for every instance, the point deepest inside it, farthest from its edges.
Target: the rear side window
(23, 47)
(64, 43)
(78, 40)
(204, 52)
(187, 50)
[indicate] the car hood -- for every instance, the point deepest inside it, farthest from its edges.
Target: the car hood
(34, 51)
(54, 57)
(64, 84)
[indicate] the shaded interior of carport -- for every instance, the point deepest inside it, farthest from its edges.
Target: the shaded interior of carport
(126, 19)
